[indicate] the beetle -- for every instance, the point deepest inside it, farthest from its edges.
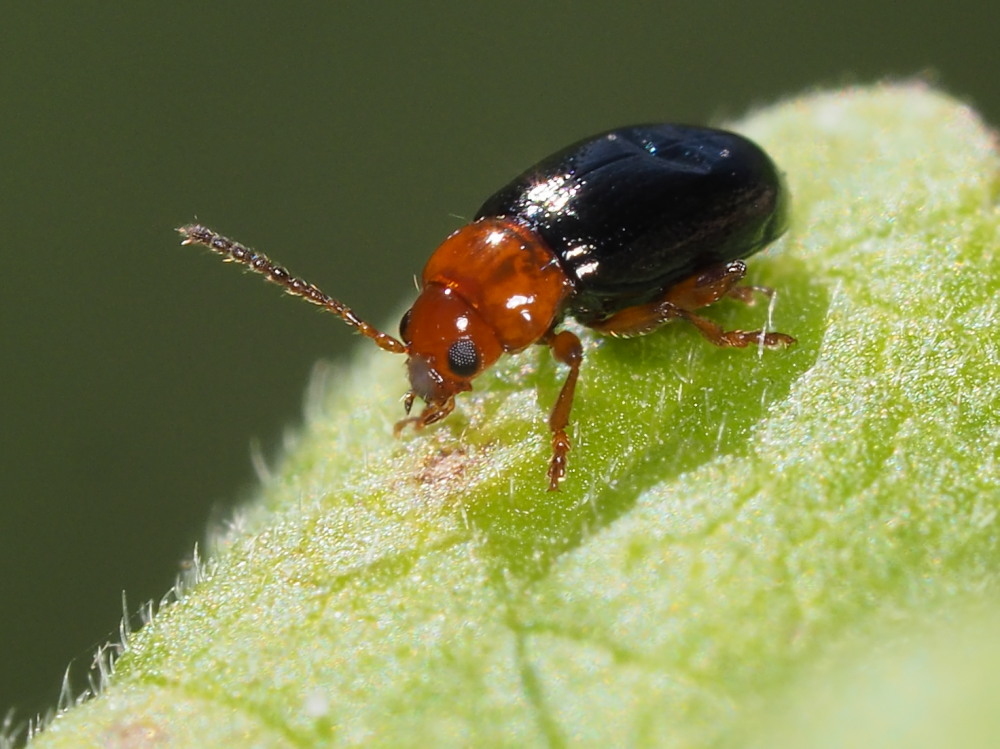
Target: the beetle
(622, 231)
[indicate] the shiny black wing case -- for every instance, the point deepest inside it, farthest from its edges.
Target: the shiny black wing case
(633, 211)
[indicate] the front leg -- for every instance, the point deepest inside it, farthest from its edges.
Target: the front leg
(566, 349)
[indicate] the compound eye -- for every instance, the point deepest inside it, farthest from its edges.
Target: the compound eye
(404, 323)
(463, 358)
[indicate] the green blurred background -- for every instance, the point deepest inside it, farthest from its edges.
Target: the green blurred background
(345, 139)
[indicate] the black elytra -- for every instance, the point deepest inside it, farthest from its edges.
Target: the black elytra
(632, 211)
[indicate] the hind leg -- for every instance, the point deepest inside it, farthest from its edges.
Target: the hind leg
(680, 301)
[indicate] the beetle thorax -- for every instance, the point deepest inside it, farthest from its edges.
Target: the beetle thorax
(507, 274)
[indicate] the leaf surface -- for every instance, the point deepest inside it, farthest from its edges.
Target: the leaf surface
(732, 522)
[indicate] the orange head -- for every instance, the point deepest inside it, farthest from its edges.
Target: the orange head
(449, 343)
(491, 287)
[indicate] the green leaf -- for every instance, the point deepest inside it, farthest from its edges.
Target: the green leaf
(937, 689)
(733, 523)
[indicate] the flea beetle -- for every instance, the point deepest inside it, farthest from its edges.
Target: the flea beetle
(622, 231)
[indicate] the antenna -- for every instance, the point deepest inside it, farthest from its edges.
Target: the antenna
(258, 262)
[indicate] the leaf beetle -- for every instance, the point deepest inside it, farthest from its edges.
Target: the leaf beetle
(623, 231)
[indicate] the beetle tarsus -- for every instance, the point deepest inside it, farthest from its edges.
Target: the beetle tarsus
(557, 466)
(736, 338)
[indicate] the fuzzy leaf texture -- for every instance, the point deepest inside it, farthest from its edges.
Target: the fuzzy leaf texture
(735, 523)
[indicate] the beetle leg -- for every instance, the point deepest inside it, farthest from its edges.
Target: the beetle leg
(693, 293)
(738, 338)
(566, 349)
